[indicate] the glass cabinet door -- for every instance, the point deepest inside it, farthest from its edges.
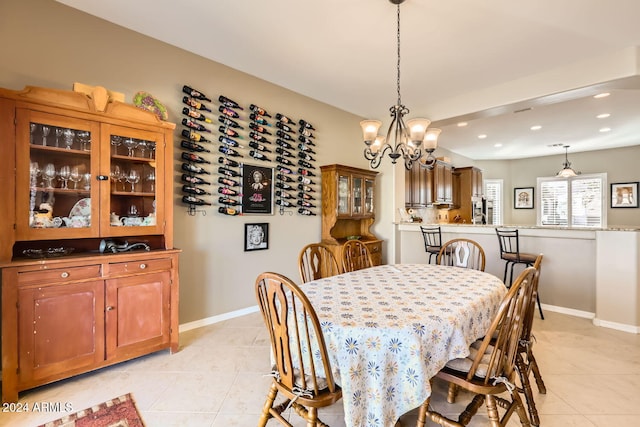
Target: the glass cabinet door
(368, 198)
(343, 195)
(54, 194)
(134, 176)
(358, 193)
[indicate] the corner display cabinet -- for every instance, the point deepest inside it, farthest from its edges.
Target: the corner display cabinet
(348, 209)
(89, 272)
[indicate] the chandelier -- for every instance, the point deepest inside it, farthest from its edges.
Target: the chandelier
(567, 171)
(411, 141)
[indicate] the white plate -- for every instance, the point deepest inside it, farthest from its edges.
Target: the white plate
(81, 208)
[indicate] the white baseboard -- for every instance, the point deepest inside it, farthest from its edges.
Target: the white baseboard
(617, 326)
(569, 311)
(216, 319)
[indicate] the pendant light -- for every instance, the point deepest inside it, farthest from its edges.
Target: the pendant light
(567, 171)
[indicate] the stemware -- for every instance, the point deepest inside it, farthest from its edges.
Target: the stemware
(58, 133)
(151, 179)
(49, 174)
(45, 134)
(116, 141)
(68, 135)
(142, 146)
(87, 181)
(63, 175)
(84, 137)
(34, 172)
(75, 176)
(33, 127)
(133, 178)
(117, 175)
(131, 145)
(152, 149)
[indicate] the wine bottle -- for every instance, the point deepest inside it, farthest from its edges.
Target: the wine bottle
(194, 169)
(259, 129)
(228, 182)
(196, 180)
(284, 152)
(305, 156)
(194, 136)
(306, 188)
(228, 112)
(228, 191)
(303, 211)
(306, 132)
(282, 169)
(191, 102)
(228, 172)
(283, 118)
(228, 211)
(259, 119)
(304, 180)
(192, 146)
(228, 162)
(259, 147)
(225, 130)
(194, 190)
(284, 161)
(194, 158)
(306, 140)
(284, 135)
(257, 155)
(228, 201)
(304, 147)
(229, 151)
(195, 201)
(305, 172)
(284, 195)
(306, 124)
(284, 144)
(284, 186)
(229, 102)
(195, 94)
(306, 204)
(284, 127)
(285, 178)
(258, 110)
(193, 125)
(229, 122)
(196, 115)
(256, 136)
(285, 203)
(230, 142)
(305, 164)
(306, 196)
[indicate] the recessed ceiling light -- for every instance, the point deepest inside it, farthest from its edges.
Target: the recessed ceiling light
(462, 124)
(498, 145)
(536, 127)
(603, 116)
(605, 129)
(602, 95)
(482, 136)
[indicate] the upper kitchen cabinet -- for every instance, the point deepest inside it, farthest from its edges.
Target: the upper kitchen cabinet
(426, 187)
(469, 185)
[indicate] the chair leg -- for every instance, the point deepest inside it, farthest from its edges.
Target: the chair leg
(536, 373)
(523, 373)
(506, 267)
(452, 393)
(422, 413)
(539, 306)
(271, 397)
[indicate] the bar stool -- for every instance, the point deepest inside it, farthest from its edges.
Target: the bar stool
(432, 237)
(510, 252)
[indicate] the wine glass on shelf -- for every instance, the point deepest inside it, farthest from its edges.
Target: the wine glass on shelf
(32, 127)
(75, 176)
(34, 172)
(49, 174)
(152, 149)
(58, 133)
(117, 175)
(63, 175)
(133, 178)
(45, 134)
(87, 181)
(84, 137)
(116, 141)
(151, 179)
(142, 146)
(68, 135)
(131, 145)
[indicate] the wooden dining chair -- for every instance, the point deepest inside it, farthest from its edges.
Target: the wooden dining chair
(490, 369)
(355, 256)
(316, 261)
(462, 253)
(302, 371)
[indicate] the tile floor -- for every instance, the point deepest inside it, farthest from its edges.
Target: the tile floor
(216, 380)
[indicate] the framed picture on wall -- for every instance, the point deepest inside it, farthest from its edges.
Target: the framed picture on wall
(624, 195)
(256, 236)
(523, 198)
(257, 189)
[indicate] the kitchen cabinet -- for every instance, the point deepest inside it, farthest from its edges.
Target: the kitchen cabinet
(83, 173)
(443, 183)
(469, 185)
(424, 187)
(348, 208)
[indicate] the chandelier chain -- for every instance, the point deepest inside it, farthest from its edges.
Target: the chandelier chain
(398, 63)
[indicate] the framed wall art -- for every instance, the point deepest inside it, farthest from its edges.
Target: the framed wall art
(257, 189)
(624, 195)
(256, 236)
(523, 198)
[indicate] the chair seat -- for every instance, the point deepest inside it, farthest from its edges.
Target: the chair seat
(297, 379)
(524, 258)
(433, 249)
(464, 364)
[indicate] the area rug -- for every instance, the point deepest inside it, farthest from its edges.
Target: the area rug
(118, 412)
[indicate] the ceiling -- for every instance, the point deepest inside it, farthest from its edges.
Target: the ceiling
(343, 53)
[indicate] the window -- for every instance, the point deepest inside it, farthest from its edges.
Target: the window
(493, 191)
(573, 202)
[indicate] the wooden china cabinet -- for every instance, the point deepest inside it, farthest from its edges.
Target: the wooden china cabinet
(348, 208)
(89, 272)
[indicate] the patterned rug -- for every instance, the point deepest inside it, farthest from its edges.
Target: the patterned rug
(118, 412)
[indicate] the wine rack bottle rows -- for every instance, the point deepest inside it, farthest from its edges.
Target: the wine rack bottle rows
(250, 136)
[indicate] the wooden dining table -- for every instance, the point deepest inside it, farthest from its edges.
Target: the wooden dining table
(389, 329)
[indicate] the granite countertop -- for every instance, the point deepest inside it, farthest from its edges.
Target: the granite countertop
(520, 226)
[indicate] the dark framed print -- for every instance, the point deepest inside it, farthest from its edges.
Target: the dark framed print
(523, 198)
(257, 189)
(256, 236)
(624, 195)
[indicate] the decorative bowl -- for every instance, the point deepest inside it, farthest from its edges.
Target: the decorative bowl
(354, 237)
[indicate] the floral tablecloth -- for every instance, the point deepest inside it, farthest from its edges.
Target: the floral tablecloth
(391, 328)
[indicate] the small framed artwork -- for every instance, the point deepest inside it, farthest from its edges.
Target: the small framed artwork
(523, 198)
(256, 236)
(624, 195)
(257, 190)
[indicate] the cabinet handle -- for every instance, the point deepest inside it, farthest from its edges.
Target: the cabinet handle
(143, 266)
(102, 177)
(110, 307)
(64, 274)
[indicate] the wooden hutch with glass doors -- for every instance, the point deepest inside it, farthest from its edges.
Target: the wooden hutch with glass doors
(89, 272)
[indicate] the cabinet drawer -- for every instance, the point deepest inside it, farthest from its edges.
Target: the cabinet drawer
(374, 247)
(57, 275)
(142, 266)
